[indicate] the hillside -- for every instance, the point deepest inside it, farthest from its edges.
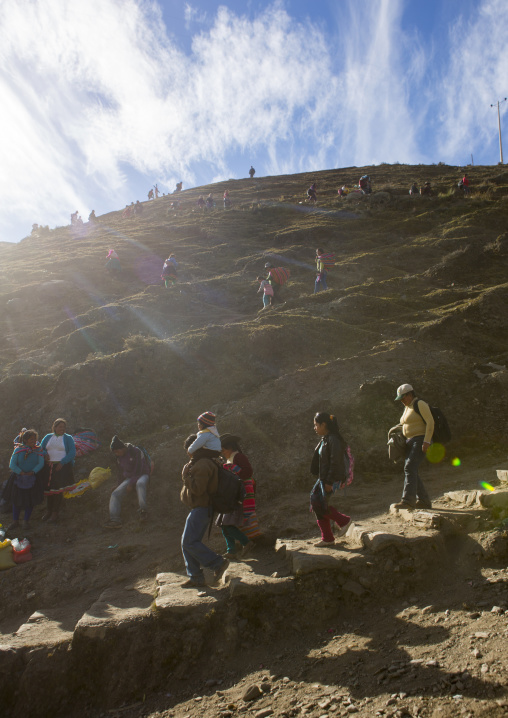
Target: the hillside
(418, 294)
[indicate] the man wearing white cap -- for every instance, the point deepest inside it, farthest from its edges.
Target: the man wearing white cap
(417, 427)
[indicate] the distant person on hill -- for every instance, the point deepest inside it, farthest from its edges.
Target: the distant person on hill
(227, 201)
(417, 428)
(252, 172)
(267, 289)
(465, 185)
(134, 471)
(35, 228)
(413, 189)
(426, 190)
(157, 193)
(201, 202)
(179, 186)
(311, 193)
(91, 217)
(58, 472)
(277, 276)
(242, 525)
(343, 191)
(200, 479)
(138, 207)
(74, 217)
(113, 261)
(210, 204)
(25, 488)
(169, 275)
(365, 184)
(208, 435)
(322, 273)
(329, 464)
(150, 194)
(127, 213)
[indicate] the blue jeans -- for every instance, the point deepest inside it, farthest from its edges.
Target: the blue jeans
(266, 300)
(195, 553)
(413, 485)
(115, 502)
(321, 284)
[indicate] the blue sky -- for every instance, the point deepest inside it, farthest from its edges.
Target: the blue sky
(103, 98)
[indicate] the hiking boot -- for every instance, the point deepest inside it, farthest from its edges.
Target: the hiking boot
(26, 525)
(193, 583)
(230, 555)
(112, 524)
(423, 504)
(403, 505)
(324, 543)
(143, 514)
(46, 517)
(219, 572)
(14, 525)
(343, 529)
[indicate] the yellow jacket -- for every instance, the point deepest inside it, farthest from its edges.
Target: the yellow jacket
(415, 425)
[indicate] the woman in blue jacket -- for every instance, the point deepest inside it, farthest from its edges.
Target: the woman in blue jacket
(25, 488)
(58, 470)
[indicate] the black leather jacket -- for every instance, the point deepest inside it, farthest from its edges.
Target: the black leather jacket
(329, 465)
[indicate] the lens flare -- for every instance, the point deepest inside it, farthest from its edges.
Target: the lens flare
(486, 486)
(436, 453)
(456, 461)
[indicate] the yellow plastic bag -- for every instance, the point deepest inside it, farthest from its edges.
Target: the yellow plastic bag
(6, 560)
(98, 476)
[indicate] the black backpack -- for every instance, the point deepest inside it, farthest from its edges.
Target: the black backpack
(442, 433)
(230, 492)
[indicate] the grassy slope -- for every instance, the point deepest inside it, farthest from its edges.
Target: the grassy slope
(419, 294)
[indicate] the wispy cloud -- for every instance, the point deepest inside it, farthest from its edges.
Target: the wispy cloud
(475, 77)
(92, 90)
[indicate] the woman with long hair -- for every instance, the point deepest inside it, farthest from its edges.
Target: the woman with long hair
(58, 470)
(329, 465)
(25, 489)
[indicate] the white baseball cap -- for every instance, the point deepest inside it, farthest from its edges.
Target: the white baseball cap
(403, 389)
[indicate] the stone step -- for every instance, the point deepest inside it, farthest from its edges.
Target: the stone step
(113, 607)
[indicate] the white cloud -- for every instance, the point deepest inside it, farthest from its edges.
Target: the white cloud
(475, 77)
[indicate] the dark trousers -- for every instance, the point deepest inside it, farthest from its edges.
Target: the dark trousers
(413, 485)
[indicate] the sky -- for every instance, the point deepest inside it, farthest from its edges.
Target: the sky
(101, 99)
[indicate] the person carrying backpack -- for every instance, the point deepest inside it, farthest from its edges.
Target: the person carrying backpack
(322, 272)
(277, 276)
(329, 466)
(134, 469)
(169, 274)
(417, 426)
(242, 524)
(200, 478)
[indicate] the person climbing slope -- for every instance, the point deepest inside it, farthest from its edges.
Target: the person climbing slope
(329, 465)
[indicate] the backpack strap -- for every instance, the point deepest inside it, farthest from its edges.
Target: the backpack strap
(415, 407)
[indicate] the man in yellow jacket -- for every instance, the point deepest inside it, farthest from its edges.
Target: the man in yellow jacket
(417, 427)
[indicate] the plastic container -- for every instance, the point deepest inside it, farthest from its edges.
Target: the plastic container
(20, 547)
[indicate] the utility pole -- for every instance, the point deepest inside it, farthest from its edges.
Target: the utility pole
(499, 126)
